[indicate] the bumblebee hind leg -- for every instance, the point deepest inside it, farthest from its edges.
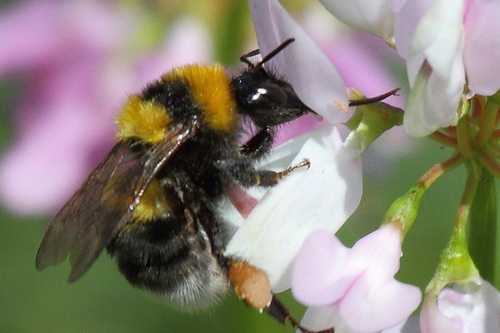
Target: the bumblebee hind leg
(252, 285)
(279, 312)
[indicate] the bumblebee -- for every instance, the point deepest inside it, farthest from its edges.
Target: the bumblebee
(152, 203)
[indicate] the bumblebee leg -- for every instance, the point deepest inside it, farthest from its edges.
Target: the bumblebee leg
(259, 144)
(252, 285)
(271, 178)
(279, 312)
(243, 172)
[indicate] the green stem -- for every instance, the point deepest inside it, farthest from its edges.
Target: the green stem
(437, 170)
(464, 137)
(471, 185)
(404, 210)
(487, 123)
(489, 163)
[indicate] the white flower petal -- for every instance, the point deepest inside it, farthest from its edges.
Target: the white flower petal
(439, 35)
(373, 16)
(303, 64)
(433, 102)
(322, 197)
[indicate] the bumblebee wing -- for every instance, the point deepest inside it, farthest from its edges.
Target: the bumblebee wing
(89, 220)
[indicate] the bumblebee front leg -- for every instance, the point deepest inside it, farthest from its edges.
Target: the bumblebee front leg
(259, 144)
(252, 285)
(271, 178)
(243, 172)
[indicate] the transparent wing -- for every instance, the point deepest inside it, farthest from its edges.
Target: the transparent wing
(89, 220)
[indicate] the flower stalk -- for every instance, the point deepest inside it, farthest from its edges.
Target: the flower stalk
(456, 264)
(404, 210)
(444, 139)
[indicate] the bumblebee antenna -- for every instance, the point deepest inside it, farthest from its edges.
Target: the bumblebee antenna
(244, 57)
(274, 52)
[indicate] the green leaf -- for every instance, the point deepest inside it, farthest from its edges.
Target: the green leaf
(484, 230)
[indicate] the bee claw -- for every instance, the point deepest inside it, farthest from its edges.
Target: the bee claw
(303, 164)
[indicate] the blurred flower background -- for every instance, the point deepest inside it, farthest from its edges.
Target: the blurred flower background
(65, 69)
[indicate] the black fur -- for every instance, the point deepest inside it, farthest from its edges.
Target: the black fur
(180, 254)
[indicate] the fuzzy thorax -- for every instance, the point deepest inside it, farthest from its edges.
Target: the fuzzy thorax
(210, 87)
(144, 120)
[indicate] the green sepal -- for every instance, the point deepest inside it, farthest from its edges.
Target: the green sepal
(404, 210)
(355, 120)
(455, 264)
(370, 121)
(484, 230)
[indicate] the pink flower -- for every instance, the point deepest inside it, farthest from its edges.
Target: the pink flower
(462, 311)
(353, 289)
(448, 46)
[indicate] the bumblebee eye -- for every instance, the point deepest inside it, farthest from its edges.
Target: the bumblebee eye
(268, 93)
(258, 95)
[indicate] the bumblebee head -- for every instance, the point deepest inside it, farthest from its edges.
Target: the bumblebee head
(266, 99)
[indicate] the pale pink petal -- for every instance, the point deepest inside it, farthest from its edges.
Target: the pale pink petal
(434, 54)
(376, 300)
(458, 311)
(439, 36)
(372, 305)
(279, 224)
(482, 47)
(359, 283)
(367, 64)
(432, 321)
(303, 64)
(296, 128)
(373, 16)
(397, 5)
(408, 16)
(320, 318)
(378, 252)
(319, 276)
